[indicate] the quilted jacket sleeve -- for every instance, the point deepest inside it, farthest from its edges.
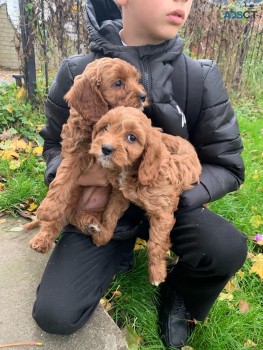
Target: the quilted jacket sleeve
(217, 142)
(57, 112)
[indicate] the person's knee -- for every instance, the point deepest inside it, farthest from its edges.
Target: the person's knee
(226, 255)
(59, 319)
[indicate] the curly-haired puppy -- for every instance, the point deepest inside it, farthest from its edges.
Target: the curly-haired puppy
(141, 169)
(104, 84)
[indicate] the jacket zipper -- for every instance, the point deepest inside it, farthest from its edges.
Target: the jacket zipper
(146, 78)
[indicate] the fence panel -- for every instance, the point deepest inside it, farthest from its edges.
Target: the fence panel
(231, 34)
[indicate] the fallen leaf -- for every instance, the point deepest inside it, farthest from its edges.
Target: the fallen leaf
(250, 255)
(256, 221)
(21, 93)
(32, 206)
(243, 307)
(258, 265)
(16, 229)
(232, 285)
(187, 348)
(138, 247)
(225, 296)
(117, 294)
(249, 343)
(20, 145)
(37, 151)
(9, 109)
(14, 164)
(105, 303)
(9, 155)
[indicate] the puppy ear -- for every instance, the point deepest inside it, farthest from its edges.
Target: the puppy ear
(85, 97)
(95, 130)
(151, 160)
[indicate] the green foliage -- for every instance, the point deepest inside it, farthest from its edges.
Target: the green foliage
(22, 184)
(17, 114)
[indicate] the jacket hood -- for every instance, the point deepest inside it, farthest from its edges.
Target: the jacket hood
(155, 62)
(104, 24)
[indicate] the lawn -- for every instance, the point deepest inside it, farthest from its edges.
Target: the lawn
(235, 322)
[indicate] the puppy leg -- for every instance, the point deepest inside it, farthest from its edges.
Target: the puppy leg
(158, 245)
(61, 190)
(115, 209)
(87, 222)
(42, 241)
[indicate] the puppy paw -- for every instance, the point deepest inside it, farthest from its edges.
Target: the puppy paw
(101, 239)
(157, 275)
(93, 229)
(40, 244)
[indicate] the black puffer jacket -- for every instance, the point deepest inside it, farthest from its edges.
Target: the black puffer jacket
(215, 135)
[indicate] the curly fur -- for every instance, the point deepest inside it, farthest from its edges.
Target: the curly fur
(148, 168)
(104, 84)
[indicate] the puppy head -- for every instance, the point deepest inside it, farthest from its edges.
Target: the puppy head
(124, 137)
(106, 83)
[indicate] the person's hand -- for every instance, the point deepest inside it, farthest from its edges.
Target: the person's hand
(95, 177)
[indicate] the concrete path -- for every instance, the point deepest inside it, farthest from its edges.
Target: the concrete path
(20, 272)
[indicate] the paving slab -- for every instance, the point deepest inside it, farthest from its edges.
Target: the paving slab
(20, 272)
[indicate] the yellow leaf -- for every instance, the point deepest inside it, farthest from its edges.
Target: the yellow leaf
(32, 206)
(20, 145)
(14, 164)
(256, 221)
(138, 247)
(141, 241)
(105, 303)
(225, 296)
(21, 93)
(232, 285)
(9, 155)
(2, 186)
(117, 294)
(39, 127)
(9, 109)
(258, 265)
(37, 151)
(249, 343)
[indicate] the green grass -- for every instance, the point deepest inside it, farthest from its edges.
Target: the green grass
(225, 328)
(22, 184)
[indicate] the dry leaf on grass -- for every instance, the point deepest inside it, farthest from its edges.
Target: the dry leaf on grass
(243, 306)
(257, 266)
(105, 303)
(250, 344)
(225, 296)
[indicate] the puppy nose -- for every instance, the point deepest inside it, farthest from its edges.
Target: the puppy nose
(142, 96)
(107, 149)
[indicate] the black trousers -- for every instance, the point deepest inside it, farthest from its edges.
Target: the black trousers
(210, 251)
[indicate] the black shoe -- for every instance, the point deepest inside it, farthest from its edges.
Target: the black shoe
(176, 323)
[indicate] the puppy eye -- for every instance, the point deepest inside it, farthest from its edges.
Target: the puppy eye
(131, 138)
(104, 128)
(118, 83)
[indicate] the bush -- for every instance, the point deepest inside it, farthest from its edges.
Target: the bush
(16, 114)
